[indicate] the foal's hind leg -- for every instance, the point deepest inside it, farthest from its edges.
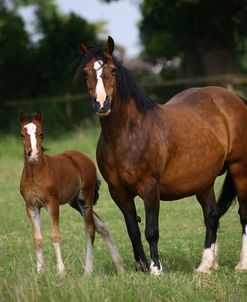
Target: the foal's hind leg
(102, 230)
(211, 219)
(239, 175)
(85, 206)
(53, 209)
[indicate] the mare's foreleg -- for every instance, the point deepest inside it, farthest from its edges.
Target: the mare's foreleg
(211, 219)
(34, 216)
(126, 204)
(53, 210)
(151, 199)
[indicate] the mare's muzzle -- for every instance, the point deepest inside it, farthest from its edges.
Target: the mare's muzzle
(105, 109)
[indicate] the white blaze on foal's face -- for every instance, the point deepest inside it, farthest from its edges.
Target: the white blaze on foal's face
(100, 89)
(31, 130)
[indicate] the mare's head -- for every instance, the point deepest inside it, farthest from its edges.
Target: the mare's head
(32, 134)
(109, 84)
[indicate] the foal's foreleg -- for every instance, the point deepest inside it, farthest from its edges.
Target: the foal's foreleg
(34, 216)
(152, 204)
(102, 230)
(53, 209)
(211, 219)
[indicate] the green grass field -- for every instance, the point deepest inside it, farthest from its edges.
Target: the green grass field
(181, 243)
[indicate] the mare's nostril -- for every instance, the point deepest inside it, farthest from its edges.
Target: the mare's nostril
(96, 104)
(29, 153)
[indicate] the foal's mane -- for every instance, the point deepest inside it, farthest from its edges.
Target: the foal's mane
(126, 84)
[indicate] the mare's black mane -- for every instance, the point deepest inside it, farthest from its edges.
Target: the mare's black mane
(126, 85)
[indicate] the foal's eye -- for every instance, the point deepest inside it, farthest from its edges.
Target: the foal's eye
(113, 71)
(22, 135)
(41, 135)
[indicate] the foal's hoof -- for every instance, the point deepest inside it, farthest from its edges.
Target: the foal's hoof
(240, 268)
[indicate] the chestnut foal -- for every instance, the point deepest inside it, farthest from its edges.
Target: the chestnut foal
(50, 181)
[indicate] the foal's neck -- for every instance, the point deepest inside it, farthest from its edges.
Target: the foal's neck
(34, 170)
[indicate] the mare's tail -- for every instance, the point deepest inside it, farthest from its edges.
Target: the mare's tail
(96, 195)
(227, 195)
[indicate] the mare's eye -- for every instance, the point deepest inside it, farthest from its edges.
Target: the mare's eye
(41, 135)
(113, 71)
(85, 75)
(22, 135)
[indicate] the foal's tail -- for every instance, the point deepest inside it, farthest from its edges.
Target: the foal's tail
(96, 195)
(227, 195)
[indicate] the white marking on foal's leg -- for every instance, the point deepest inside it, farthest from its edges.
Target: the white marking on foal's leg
(242, 265)
(154, 270)
(209, 260)
(102, 230)
(40, 261)
(89, 257)
(34, 215)
(60, 265)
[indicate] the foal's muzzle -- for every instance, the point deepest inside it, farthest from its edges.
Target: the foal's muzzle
(102, 110)
(32, 155)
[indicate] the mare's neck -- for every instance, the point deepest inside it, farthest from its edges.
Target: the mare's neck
(120, 119)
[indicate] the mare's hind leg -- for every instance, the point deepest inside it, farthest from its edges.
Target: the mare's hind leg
(85, 204)
(239, 175)
(151, 199)
(211, 219)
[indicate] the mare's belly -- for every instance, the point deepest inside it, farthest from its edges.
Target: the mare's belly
(179, 182)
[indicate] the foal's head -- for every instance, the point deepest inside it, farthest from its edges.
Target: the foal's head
(32, 134)
(109, 83)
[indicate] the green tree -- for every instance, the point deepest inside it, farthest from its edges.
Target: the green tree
(207, 35)
(14, 54)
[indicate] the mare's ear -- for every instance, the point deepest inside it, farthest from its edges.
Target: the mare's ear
(22, 117)
(83, 49)
(109, 45)
(38, 116)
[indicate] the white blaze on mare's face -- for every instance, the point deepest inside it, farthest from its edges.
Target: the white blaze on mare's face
(31, 130)
(100, 89)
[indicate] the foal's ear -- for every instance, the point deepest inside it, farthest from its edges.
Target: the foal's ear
(22, 117)
(83, 49)
(109, 45)
(38, 116)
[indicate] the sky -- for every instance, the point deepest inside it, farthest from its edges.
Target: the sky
(122, 18)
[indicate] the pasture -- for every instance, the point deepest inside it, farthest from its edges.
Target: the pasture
(181, 242)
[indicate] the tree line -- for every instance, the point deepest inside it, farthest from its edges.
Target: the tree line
(205, 37)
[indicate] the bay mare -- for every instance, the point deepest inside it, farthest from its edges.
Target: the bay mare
(167, 151)
(50, 181)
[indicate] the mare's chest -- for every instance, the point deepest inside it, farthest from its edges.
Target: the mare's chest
(129, 160)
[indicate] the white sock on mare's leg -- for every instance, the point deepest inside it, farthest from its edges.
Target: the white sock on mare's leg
(209, 259)
(242, 265)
